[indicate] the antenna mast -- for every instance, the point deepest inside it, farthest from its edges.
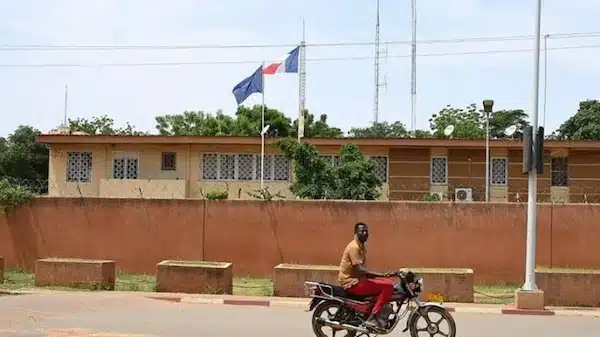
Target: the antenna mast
(66, 104)
(413, 74)
(377, 84)
(302, 83)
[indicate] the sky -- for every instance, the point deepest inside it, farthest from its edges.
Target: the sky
(342, 88)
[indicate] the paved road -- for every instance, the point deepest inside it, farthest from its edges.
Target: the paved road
(115, 315)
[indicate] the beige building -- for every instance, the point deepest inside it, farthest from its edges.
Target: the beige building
(412, 169)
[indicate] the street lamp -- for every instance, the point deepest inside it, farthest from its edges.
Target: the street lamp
(263, 132)
(488, 106)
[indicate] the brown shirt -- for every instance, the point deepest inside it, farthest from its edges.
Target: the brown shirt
(354, 254)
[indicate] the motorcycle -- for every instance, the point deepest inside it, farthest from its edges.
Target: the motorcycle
(337, 310)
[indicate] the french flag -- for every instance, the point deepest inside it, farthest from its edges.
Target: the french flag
(288, 65)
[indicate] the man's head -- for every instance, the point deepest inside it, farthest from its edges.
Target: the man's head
(361, 230)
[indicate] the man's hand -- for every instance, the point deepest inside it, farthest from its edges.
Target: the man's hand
(403, 271)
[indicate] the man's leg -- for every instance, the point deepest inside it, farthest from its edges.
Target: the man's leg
(372, 287)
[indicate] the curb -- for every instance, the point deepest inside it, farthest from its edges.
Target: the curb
(460, 308)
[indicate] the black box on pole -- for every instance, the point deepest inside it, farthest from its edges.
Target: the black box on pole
(527, 149)
(539, 150)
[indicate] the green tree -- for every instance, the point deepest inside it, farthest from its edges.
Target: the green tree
(315, 178)
(195, 123)
(502, 119)
(583, 125)
(467, 122)
(249, 122)
(102, 125)
(380, 130)
(423, 134)
(355, 178)
(22, 158)
(316, 128)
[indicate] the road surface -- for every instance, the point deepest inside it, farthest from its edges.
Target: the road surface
(118, 315)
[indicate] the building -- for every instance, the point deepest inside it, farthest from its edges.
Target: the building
(412, 169)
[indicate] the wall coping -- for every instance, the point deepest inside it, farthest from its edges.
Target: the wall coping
(74, 260)
(197, 264)
(306, 266)
(567, 271)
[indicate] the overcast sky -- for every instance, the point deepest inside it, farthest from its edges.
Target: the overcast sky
(343, 89)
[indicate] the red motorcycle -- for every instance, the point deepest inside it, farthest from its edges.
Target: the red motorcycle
(336, 310)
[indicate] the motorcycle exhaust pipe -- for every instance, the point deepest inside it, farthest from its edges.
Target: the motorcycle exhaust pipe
(344, 326)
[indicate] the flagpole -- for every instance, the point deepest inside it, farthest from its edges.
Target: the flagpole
(302, 83)
(262, 133)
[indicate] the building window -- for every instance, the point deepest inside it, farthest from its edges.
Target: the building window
(281, 168)
(210, 170)
(439, 170)
(125, 166)
(244, 167)
(560, 171)
(79, 166)
(332, 160)
(382, 168)
(169, 161)
(498, 171)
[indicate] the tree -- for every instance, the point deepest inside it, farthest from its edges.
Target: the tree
(315, 178)
(380, 130)
(355, 178)
(502, 119)
(249, 122)
(318, 128)
(102, 125)
(467, 122)
(22, 158)
(584, 124)
(195, 123)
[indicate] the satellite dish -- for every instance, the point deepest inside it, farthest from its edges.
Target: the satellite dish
(509, 131)
(448, 130)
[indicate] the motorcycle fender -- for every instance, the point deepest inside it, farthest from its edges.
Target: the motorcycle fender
(315, 301)
(425, 307)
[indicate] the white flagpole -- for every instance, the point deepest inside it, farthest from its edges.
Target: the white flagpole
(302, 83)
(262, 134)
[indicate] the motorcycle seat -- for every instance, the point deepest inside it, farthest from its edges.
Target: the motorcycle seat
(341, 292)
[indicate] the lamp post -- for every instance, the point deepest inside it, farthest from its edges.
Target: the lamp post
(488, 106)
(263, 132)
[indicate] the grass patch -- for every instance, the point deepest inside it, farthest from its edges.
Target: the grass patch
(495, 293)
(242, 286)
(17, 279)
(247, 286)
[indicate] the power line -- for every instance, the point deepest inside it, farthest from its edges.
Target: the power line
(325, 59)
(49, 47)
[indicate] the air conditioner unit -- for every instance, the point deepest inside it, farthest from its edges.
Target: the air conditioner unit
(440, 195)
(463, 195)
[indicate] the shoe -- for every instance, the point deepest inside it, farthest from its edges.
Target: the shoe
(374, 323)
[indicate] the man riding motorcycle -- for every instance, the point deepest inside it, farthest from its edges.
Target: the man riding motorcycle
(357, 280)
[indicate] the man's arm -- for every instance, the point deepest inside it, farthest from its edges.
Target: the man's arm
(363, 271)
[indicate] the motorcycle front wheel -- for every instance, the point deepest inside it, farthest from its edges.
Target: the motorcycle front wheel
(327, 310)
(432, 321)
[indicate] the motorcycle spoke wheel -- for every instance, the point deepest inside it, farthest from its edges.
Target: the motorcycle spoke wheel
(438, 322)
(328, 311)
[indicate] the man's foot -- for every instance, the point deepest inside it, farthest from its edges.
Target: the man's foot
(374, 323)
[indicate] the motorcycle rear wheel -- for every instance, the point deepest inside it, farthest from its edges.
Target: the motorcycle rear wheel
(445, 316)
(326, 308)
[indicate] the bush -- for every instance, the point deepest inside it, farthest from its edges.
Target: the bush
(217, 195)
(12, 195)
